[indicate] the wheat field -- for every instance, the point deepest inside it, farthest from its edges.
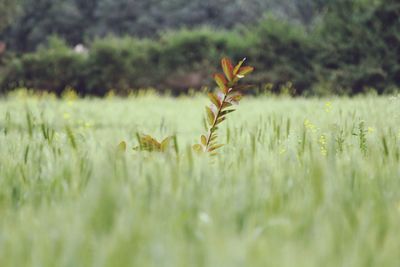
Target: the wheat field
(299, 182)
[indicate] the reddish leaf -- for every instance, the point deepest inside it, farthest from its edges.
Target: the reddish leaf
(226, 105)
(227, 68)
(221, 82)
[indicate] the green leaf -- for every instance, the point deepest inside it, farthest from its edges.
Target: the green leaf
(243, 71)
(225, 112)
(221, 119)
(215, 147)
(210, 115)
(204, 140)
(165, 143)
(122, 146)
(149, 143)
(214, 99)
(205, 124)
(197, 148)
(237, 67)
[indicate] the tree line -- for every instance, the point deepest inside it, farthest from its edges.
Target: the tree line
(78, 21)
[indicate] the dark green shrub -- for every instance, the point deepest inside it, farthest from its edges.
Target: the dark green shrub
(121, 65)
(359, 46)
(281, 52)
(51, 68)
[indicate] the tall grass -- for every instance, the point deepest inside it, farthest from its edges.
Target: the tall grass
(299, 183)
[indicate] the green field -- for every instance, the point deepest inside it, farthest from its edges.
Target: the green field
(300, 182)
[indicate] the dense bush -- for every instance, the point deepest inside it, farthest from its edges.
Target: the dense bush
(178, 61)
(52, 68)
(281, 52)
(359, 46)
(121, 65)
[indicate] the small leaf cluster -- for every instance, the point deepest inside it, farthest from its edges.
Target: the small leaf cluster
(148, 143)
(222, 102)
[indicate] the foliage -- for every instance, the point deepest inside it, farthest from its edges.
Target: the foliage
(229, 94)
(121, 64)
(77, 21)
(54, 67)
(282, 52)
(8, 9)
(148, 143)
(359, 46)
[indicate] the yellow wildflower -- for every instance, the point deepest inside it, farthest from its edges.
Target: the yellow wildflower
(66, 116)
(310, 126)
(88, 124)
(328, 106)
(322, 142)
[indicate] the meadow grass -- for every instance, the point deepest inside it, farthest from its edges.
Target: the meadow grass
(300, 182)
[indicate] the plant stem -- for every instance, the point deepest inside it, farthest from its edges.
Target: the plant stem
(210, 131)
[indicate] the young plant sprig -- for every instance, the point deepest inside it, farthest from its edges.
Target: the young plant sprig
(149, 143)
(228, 95)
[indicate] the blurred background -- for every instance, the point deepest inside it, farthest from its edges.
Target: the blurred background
(299, 47)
